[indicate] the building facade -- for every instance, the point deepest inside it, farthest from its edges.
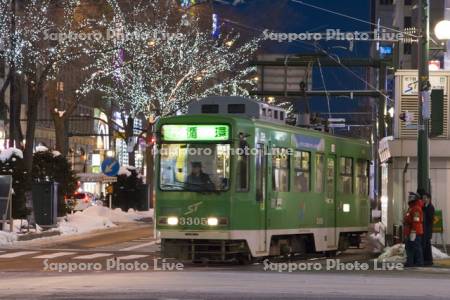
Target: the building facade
(398, 148)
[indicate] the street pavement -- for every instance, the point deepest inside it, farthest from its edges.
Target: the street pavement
(125, 263)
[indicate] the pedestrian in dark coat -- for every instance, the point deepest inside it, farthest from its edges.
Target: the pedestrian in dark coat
(428, 216)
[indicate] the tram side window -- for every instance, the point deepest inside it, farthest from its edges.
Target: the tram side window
(242, 171)
(302, 171)
(280, 170)
(346, 172)
(362, 178)
(320, 163)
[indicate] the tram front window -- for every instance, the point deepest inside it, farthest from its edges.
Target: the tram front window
(195, 167)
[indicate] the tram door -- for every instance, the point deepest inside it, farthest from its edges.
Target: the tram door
(331, 201)
(261, 194)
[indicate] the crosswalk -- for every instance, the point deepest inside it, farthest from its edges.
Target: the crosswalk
(7, 255)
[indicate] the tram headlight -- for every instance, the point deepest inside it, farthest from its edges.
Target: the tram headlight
(172, 221)
(213, 221)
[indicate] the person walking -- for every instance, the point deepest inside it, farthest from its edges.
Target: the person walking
(413, 231)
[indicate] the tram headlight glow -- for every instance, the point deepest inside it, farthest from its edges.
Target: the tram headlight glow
(172, 221)
(213, 221)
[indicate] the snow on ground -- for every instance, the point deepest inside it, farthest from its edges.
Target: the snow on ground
(124, 170)
(438, 254)
(90, 219)
(396, 253)
(98, 217)
(7, 238)
(41, 148)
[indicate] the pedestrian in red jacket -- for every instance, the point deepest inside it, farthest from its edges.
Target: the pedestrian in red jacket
(413, 231)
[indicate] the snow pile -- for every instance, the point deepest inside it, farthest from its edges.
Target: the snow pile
(438, 254)
(376, 242)
(396, 253)
(81, 222)
(124, 170)
(6, 154)
(41, 148)
(376, 238)
(7, 237)
(56, 153)
(98, 217)
(138, 215)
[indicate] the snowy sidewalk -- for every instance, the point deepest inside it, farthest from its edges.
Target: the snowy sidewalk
(396, 253)
(92, 219)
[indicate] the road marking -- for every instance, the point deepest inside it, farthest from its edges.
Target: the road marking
(139, 246)
(128, 257)
(92, 256)
(17, 254)
(55, 255)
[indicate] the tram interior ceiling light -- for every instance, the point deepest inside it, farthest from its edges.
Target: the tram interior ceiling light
(172, 221)
(442, 30)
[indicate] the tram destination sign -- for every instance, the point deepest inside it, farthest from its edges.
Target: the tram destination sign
(175, 133)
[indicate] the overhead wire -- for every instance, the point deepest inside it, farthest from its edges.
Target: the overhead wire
(322, 50)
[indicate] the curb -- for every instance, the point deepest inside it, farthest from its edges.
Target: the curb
(32, 236)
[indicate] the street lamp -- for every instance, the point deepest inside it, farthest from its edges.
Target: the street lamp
(442, 30)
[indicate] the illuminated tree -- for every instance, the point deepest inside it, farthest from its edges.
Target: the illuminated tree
(164, 59)
(35, 55)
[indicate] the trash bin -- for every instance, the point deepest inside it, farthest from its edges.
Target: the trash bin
(45, 202)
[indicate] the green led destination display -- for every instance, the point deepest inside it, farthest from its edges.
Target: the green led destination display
(195, 133)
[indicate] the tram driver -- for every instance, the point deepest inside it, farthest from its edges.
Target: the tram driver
(198, 180)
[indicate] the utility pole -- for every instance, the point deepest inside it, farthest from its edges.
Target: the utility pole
(12, 83)
(423, 155)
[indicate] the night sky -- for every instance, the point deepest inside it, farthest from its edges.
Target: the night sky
(254, 16)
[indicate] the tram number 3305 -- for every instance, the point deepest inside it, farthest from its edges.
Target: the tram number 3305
(193, 221)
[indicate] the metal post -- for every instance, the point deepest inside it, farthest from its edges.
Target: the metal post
(423, 155)
(11, 220)
(12, 84)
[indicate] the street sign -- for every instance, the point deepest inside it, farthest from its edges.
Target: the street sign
(110, 189)
(110, 166)
(336, 120)
(438, 224)
(337, 125)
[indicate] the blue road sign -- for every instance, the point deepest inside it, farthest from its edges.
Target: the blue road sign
(110, 166)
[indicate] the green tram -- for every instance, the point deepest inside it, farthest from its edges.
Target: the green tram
(235, 182)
